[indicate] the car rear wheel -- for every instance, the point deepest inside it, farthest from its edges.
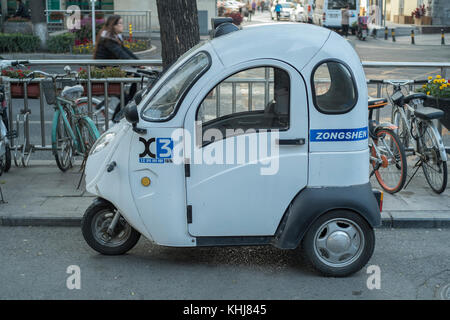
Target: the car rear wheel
(339, 243)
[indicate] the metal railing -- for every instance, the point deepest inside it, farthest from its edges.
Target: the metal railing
(140, 20)
(265, 81)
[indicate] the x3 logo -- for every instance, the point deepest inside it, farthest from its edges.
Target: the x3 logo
(164, 147)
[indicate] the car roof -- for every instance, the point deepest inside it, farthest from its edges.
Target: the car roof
(294, 43)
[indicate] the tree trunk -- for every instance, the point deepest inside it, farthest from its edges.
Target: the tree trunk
(4, 9)
(38, 18)
(178, 20)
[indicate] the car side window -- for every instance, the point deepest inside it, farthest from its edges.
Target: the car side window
(256, 98)
(334, 89)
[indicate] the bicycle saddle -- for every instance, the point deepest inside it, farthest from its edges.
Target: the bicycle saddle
(428, 113)
(72, 93)
(375, 103)
(413, 96)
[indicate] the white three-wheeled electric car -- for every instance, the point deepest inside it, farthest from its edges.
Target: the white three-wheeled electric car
(257, 137)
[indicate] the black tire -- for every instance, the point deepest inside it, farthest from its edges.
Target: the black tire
(87, 136)
(88, 225)
(7, 159)
(434, 169)
(392, 174)
(63, 160)
(365, 238)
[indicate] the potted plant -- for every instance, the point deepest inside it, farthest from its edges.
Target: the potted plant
(419, 16)
(17, 89)
(438, 90)
(98, 89)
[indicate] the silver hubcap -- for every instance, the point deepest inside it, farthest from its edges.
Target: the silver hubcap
(100, 226)
(338, 242)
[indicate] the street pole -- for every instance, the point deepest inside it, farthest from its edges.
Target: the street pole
(93, 21)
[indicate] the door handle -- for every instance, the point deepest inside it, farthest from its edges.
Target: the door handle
(291, 142)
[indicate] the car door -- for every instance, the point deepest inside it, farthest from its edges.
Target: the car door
(248, 150)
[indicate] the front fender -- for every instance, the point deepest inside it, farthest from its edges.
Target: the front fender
(93, 127)
(54, 128)
(311, 203)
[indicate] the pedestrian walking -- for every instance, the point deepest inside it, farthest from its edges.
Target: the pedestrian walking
(345, 20)
(21, 10)
(249, 10)
(110, 46)
(254, 6)
(278, 10)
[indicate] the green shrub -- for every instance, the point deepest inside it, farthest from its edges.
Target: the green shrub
(16, 42)
(61, 43)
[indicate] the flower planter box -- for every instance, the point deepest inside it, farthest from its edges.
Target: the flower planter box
(98, 89)
(442, 104)
(422, 21)
(405, 20)
(18, 90)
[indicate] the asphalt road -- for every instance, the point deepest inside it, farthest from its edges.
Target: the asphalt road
(414, 264)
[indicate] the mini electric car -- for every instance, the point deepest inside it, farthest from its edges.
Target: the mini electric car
(244, 141)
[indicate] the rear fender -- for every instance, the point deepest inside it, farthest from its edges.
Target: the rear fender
(311, 203)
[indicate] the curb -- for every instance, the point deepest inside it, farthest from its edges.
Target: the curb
(387, 223)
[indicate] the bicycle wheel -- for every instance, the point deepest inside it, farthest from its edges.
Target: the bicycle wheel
(392, 172)
(434, 168)
(87, 135)
(7, 159)
(63, 146)
(402, 131)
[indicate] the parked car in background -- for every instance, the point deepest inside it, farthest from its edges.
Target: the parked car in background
(327, 13)
(233, 5)
(307, 15)
(286, 10)
(297, 14)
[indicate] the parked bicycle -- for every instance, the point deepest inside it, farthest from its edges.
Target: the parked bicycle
(418, 132)
(73, 132)
(387, 154)
(6, 134)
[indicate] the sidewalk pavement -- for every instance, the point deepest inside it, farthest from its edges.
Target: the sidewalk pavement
(42, 195)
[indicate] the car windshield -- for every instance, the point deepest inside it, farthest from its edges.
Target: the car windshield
(339, 4)
(162, 105)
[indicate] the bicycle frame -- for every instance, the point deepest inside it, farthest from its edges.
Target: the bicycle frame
(416, 121)
(75, 136)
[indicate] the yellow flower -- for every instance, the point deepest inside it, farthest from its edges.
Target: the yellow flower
(428, 93)
(424, 86)
(438, 76)
(430, 77)
(441, 87)
(435, 81)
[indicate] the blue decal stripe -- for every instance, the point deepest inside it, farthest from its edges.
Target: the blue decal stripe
(330, 135)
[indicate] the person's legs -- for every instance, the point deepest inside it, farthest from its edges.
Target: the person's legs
(345, 30)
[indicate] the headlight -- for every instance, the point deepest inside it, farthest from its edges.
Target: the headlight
(102, 142)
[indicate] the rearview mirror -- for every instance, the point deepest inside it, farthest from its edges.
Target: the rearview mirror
(131, 113)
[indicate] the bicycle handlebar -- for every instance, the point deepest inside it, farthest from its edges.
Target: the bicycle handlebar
(12, 63)
(401, 82)
(52, 76)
